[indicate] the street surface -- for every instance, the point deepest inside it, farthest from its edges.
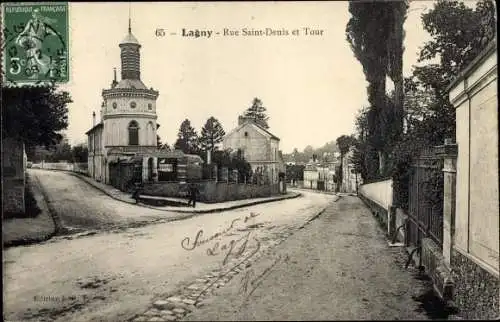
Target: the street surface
(115, 274)
(80, 206)
(338, 267)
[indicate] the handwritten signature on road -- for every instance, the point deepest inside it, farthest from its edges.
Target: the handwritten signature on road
(198, 240)
(250, 281)
(230, 249)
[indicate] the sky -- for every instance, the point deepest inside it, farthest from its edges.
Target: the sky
(311, 85)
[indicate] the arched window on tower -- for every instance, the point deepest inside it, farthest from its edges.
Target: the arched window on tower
(133, 133)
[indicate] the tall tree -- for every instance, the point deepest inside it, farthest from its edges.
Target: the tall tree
(375, 33)
(257, 112)
(212, 133)
(34, 115)
(187, 138)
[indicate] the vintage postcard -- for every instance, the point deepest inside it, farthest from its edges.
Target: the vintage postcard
(252, 160)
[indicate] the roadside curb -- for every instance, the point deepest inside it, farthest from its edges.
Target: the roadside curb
(194, 212)
(52, 212)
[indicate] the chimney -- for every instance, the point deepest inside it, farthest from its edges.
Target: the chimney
(241, 119)
(115, 82)
(93, 118)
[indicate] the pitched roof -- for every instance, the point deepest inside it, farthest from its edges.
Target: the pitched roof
(259, 127)
(100, 124)
(131, 83)
(267, 132)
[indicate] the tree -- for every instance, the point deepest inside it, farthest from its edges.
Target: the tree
(222, 158)
(232, 161)
(244, 168)
(375, 33)
(295, 172)
(257, 112)
(308, 152)
(458, 33)
(79, 153)
(187, 138)
(34, 115)
(165, 147)
(295, 154)
(39, 153)
(212, 133)
(365, 158)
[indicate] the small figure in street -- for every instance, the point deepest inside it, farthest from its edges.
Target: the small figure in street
(137, 192)
(193, 192)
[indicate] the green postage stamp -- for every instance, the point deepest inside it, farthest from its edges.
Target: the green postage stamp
(36, 42)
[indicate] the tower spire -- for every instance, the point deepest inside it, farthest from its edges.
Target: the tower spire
(129, 20)
(130, 55)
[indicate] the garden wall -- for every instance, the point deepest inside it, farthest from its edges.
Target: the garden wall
(211, 191)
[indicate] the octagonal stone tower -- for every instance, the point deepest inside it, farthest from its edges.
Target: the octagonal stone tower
(129, 107)
(128, 116)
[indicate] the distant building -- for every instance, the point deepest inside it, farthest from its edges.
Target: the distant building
(127, 125)
(319, 176)
(258, 146)
(311, 176)
(351, 180)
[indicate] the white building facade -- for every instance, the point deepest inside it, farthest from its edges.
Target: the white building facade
(127, 125)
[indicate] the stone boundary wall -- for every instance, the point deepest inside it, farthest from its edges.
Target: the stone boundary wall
(14, 163)
(63, 166)
(380, 213)
(379, 192)
(211, 191)
(378, 197)
(433, 261)
(476, 290)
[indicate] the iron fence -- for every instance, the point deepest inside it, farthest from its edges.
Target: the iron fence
(425, 204)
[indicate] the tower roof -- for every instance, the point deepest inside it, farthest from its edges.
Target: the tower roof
(130, 39)
(131, 84)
